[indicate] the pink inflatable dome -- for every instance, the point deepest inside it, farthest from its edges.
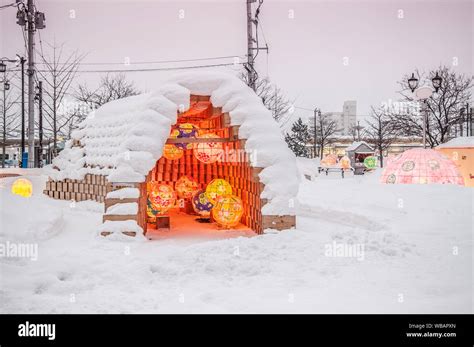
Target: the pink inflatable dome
(421, 166)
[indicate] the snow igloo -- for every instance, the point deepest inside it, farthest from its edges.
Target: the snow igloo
(195, 129)
(421, 166)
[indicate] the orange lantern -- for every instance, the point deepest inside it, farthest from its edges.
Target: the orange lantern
(216, 189)
(208, 152)
(185, 187)
(228, 211)
(172, 152)
(329, 160)
(161, 197)
(22, 187)
(345, 162)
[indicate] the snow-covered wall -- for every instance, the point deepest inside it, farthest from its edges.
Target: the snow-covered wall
(123, 139)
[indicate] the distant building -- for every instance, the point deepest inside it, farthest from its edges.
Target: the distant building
(346, 119)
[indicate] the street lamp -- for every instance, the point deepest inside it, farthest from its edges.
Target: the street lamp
(413, 82)
(423, 94)
(3, 67)
(6, 85)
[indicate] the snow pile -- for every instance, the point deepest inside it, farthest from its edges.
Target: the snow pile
(123, 209)
(308, 168)
(466, 141)
(124, 138)
(124, 193)
(118, 227)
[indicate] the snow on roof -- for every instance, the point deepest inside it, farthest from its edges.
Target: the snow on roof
(124, 138)
(465, 141)
(356, 145)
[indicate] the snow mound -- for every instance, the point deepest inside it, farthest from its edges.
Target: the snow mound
(123, 209)
(466, 141)
(124, 138)
(118, 227)
(124, 193)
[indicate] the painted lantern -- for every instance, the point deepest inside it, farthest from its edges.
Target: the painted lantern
(184, 130)
(228, 211)
(172, 152)
(208, 152)
(22, 187)
(201, 204)
(186, 187)
(161, 197)
(216, 189)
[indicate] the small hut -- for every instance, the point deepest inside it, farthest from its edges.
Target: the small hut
(357, 152)
(128, 145)
(461, 151)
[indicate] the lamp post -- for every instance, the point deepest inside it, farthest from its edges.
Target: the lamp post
(423, 94)
(39, 97)
(6, 86)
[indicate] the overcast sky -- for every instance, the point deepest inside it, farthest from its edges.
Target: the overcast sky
(309, 41)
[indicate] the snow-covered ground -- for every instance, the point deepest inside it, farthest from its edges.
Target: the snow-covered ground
(414, 246)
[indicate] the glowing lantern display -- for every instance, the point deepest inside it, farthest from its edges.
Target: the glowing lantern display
(216, 189)
(345, 162)
(329, 160)
(186, 187)
(161, 198)
(370, 162)
(185, 130)
(421, 166)
(201, 204)
(22, 187)
(172, 152)
(208, 152)
(228, 211)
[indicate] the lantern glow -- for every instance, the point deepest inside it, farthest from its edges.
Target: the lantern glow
(161, 197)
(172, 152)
(185, 130)
(345, 162)
(186, 187)
(201, 204)
(208, 152)
(216, 189)
(228, 211)
(22, 187)
(329, 160)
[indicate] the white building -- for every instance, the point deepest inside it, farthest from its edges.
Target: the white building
(346, 119)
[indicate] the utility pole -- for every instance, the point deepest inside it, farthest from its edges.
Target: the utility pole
(315, 132)
(4, 120)
(252, 42)
(39, 96)
(28, 17)
(22, 62)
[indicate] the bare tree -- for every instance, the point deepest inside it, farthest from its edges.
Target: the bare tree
(10, 111)
(326, 128)
(272, 97)
(380, 131)
(444, 107)
(57, 74)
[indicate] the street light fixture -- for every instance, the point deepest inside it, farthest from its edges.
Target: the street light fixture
(436, 82)
(6, 85)
(3, 67)
(413, 82)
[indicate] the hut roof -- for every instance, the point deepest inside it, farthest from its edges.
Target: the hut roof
(459, 142)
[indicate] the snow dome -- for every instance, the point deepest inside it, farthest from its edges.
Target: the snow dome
(421, 166)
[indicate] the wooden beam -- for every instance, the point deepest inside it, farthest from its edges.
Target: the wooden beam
(196, 140)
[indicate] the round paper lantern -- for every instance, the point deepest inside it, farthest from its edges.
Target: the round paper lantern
(345, 162)
(228, 211)
(150, 210)
(201, 204)
(161, 196)
(421, 166)
(22, 187)
(208, 152)
(217, 188)
(185, 187)
(370, 162)
(172, 152)
(186, 130)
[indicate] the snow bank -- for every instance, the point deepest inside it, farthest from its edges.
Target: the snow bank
(124, 138)
(117, 227)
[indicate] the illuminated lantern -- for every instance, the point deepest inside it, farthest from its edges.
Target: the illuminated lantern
(217, 188)
(172, 152)
(370, 162)
(201, 204)
(161, 197)
(228, 211)
(185, 130)
(22, 187)
(345, 162)
(329, 160)
(208, 152)
(185, 187)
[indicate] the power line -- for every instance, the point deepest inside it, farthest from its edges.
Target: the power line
(158, 61)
